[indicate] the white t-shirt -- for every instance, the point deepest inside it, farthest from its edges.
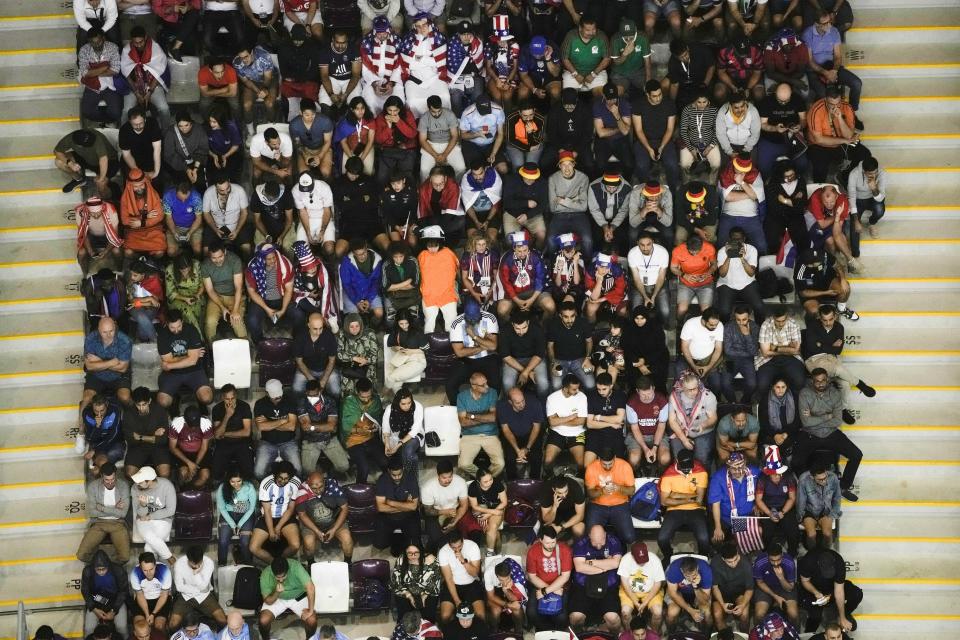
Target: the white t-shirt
(736, 277)
(641, 577)
(560, 405)
(702, 340)
(228, 216)
(313, 201)
(260, 149)
(488, 325)
(439, 497)
(446, 558)
(278, 497)
(648, 267)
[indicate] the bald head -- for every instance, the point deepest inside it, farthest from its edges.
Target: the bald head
(235, 622)
(784, 92)
(107, 329)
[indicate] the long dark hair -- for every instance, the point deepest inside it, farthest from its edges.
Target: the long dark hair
(405, 560)
(225, 489)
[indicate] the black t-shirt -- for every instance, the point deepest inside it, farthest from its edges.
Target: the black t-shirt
(691, 74)
(530, 344)
(315, 354)
(567, 508)
(273, 216)
(140, 145)
(397, 208)
(817, 278)
(241, 413)
(179, 344)
(489, 498)
(357, 205)
(265, 408)
(340, 64)
(810, 568)
(599, 406)
(786, 114)
(145, 425)
(654, 118)
(568, 344)
(476, 631)
(406, 489)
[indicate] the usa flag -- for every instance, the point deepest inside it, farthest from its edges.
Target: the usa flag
(748, 533)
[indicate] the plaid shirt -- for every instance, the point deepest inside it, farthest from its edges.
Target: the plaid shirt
(769, 334)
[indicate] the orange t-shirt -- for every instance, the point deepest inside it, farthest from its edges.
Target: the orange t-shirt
(694, 265)
(620, 474)
(819, 120)
(438, 277)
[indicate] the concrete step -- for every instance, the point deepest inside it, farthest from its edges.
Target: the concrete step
(897, 229)
(41, 545)
(906, 302)
(48, 440)
(863, 519)
(50, 45)
(20, 518)
(876, 88)
(42, 396)
(927, 271)
(37, 360)
(937, 375)
(907, 479)
(925, 58)
(29, 326)
(51, 590)
(877, 566)
(861, 339)
(48, 479)
(15, 10)
(19, 223)
(55, 80)
(28, 294)
(868, 18)
(922, 613)
(917, 443)
(70, 621)
(880, 411)
(28, 151)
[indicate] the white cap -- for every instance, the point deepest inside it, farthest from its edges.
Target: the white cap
(433, 231)
(603, 258)
(274, 388)
(145, 474)
(306, 182)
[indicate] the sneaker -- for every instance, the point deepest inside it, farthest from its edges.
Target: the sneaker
(853, 622)
(855, 265)
(848, 417)
(849, 496)
(73, 184)
(850, 314)
(866, 389)
(873, 231)
(858, 123)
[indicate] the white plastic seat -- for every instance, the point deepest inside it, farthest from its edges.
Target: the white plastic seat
(226, 578)
(644, 524)
(444, 421)
(551, 635)
(388, 356)
(231, 363)
(184, 87)
(332, 583)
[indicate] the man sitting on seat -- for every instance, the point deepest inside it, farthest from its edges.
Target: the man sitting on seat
(276, 520)
(322, 510)
(286, 585)
(689, 585)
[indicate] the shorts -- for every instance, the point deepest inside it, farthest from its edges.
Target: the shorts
(245, 236)
(93, 383)
(632, 445)
(208, 606)
(170, 382)
(761, 596)
(467, 592)
(135, 608)
(534, 225)
(147, 455)
(279, 606)
(367, 232)
(597, 439)
(625, 600)
(97, 243)
(565, 443)
(668, 7)
(203, 464)
(349, 307)
(329, 234)
(262, 525)
(703, 295)
(598, 81)
(593, 607)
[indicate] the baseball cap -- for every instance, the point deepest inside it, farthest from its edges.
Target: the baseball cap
(305, 182)
(465, 611)
(685, 460)
(471, 311)
(380, 24)
(639, 552)
(483, 105)
(274, 388)
(143, 475)
(627, 28)
(610, 91)
(538, 45)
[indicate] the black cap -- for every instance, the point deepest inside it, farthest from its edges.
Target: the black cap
(685, 460)
(610, 91)
(483, 105)
(568, 96)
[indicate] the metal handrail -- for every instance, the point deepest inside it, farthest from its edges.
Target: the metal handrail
(59, 607)
(21, 622)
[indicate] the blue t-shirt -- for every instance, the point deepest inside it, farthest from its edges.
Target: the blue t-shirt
(675, 576)
(521, 423)
(601, 111)
(763, 570)
(718, 493)
(820, 46)
(467, 403)
(121, 348)
(183, 212)
(311, 138)
(537, 67)
(583, 549)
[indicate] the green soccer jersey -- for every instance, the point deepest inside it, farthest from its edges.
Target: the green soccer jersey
(634, 59)
(585, 56)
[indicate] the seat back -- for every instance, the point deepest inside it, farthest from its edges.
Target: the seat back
(332, 583)
(231, 363)
(526, 490)
(275, 356)
(193, 519)
(361, 507)
(444, 421)
(523, 503)
(371, 580)
(374, 568)
(440, 358)
(226, 579)
(183, 81)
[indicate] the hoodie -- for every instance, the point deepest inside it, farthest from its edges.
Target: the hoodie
(107, 592)
(356, 284)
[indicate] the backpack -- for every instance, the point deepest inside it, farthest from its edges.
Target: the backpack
(369, 593)
(645, 503)
(246, 589)
(772, 286)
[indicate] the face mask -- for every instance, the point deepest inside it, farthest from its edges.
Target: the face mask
(790, 187)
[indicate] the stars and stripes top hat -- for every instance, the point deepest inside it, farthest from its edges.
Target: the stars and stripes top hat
(501, 26)
(773, 464)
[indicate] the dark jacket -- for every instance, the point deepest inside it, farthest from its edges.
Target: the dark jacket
(516, 193)
(94, 598)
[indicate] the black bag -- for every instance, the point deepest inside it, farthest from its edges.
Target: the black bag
(353, 372)
(771, 286)
(246, 589)
(432, 439)
(596, 585)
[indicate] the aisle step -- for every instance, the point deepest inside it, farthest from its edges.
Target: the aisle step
(52, 438)
(926, 271)
(19, 518)
(869, 18)
(12, 11)
(51, 590)
(49, 44)
(876, 305)
(42, 399)
(902, 480)
(878, 568)
(35, 294)
(29, 361)
(937, 376)
(20, 480)
(20, 222)
(70, 621)
(53, 80)
(861, 338)
(918, 443)
(900, 519)
(875, 88)
(929, 58)
(899, 229)
(28, 326)
(886, 410)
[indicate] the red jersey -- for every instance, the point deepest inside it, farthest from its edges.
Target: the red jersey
(546, 566)
(840, 208)
(648, 413)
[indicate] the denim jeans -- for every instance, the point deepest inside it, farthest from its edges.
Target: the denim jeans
(267, 453)
(409, 453)
(702, 447)
(540, 371)
(576, 368)
(876, 209)
(518, 157)
(144, 317)
(744, 366)
(333, 382)
(694, 520)
(617, 516)
(578, 223)
(751, 225)
(845, 78)
(226, 537)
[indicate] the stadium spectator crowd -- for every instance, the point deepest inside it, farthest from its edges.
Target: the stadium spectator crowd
(575, 218)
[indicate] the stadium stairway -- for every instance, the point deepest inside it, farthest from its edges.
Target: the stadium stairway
(901, 539)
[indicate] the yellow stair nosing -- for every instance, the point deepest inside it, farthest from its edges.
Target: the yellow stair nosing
(61, 407)
(40, 300)
(919, 27)
(917, 539)
(911, 581)
(913, 353)
(68, 597)
(30, 561)
(46, 16)
(35, 336)
(906, 98)
(48, 85)
(908, 616)
(47, 227)
(909, 313)
(36, 263)
(934, 504)
(919, 463)
(45, 483)
(42, 523)
(50, 372)
(35, 447)
(897, 427)
(14, 52)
